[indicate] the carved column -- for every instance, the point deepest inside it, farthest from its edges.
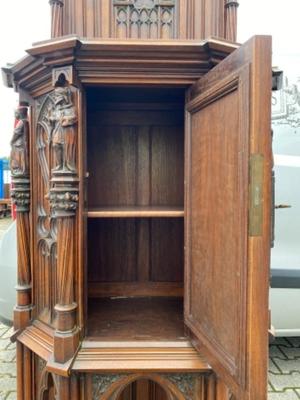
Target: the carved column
(231, 19)
(19, 163)
(56, 18)
(63, 201)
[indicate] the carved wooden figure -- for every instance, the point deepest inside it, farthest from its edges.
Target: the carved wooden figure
(142, 179)
(63, 118)
(19, 144)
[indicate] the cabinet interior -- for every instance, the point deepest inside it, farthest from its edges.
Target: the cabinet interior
(135, 197)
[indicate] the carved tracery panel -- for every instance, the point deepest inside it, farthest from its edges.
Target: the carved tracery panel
(46, 224)
(145, 19)
(56, 201)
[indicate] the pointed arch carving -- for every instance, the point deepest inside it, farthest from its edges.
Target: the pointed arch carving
(177, 386)
(48, 386)
(46, 223)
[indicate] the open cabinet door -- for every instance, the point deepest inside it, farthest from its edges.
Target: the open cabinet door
(228, 194)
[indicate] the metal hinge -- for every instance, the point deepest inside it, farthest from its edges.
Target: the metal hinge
(256, 195)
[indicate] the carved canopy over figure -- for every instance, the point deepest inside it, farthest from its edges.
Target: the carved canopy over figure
(19, 143)
(63, 119)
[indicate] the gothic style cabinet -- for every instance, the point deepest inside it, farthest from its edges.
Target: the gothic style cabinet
(141, 175)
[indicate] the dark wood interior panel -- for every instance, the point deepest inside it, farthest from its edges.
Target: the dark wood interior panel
(167, 165)
(135, 149)
(112, 160)
(167, 238)
(136, 319)
(135, 249)
(130, 94)
(112, 250)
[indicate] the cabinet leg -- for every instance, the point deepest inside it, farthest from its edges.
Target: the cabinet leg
(27, 374)
(24, 373)
(20, 371)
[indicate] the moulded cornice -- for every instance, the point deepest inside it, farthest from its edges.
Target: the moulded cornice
(114, 61)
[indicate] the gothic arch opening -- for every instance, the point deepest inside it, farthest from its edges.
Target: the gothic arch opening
(143, 389)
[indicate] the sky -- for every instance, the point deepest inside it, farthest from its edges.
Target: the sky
(24, 22)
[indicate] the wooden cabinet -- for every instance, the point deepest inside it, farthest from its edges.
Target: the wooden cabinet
(142, 187)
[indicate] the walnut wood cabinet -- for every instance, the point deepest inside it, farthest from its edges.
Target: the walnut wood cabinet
(141, 163)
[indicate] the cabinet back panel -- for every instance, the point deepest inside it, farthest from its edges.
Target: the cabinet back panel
(135, 153)
(135, 250)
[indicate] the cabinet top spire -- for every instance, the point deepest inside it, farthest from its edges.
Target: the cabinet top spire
(145, 19)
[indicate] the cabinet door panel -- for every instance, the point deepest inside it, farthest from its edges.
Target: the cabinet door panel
(226, 262)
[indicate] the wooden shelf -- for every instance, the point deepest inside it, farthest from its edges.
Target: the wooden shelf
(136, 212)
(128, 357)
(123, 319)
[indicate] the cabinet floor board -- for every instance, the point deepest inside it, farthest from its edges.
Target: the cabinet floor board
(136, 319)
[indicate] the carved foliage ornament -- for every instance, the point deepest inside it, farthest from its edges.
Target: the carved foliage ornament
(101, 383)
(185, 382)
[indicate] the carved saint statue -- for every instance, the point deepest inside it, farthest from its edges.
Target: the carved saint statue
(63, 119)
(19, 143)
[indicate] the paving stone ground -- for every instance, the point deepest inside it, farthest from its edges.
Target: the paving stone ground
(7, 365)
(284, 369)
